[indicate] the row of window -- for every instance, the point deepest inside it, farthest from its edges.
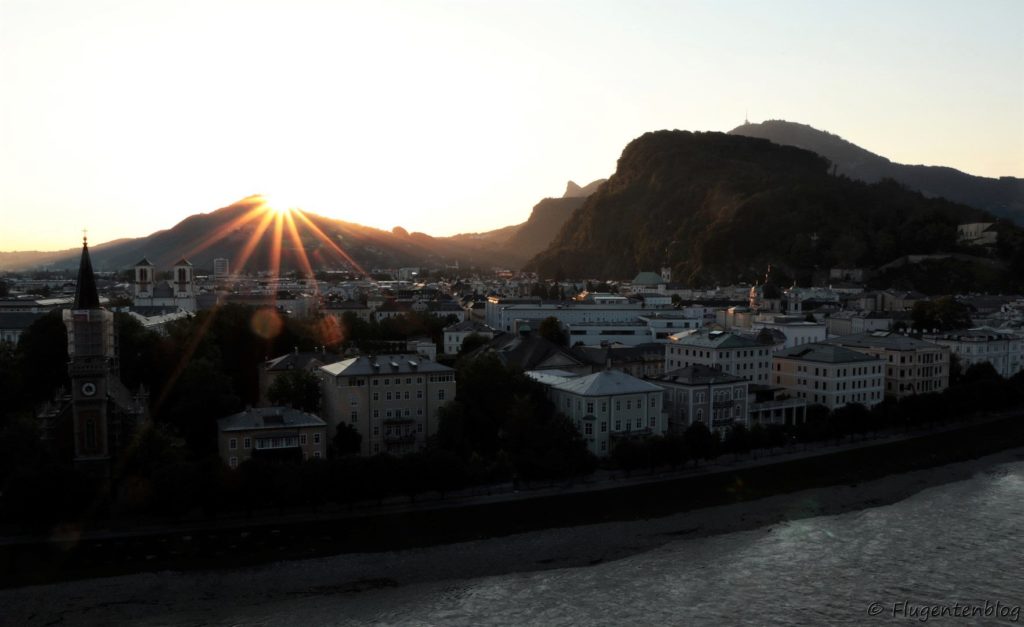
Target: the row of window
(397, 396)
(839, 372)
(267, 443)
(393, 413)
(653, 403)
(388, 429)
(588, 426)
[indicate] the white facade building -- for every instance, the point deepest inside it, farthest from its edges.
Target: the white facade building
(391, 400)
(829, 375)
(1002, 348)
(606, 406)
(728, 352)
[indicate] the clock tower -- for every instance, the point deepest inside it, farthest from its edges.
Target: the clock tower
(93, 372)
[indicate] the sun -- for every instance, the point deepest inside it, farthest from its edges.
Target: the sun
(277, 205)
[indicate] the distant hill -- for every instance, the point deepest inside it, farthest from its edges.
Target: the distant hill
(719, 208)
(228, 231)
(572, 190)
(1003, 197)
(529, 238)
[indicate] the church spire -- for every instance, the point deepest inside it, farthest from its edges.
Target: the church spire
(86, 296)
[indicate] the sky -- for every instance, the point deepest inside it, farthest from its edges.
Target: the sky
(124, 117)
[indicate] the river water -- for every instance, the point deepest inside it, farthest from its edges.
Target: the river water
(952, 554)
(947, 555)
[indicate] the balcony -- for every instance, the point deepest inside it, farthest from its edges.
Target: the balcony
(405, 438)
(633, 433)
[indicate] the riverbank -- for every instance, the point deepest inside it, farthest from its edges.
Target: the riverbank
(226, 596)
(237, 544)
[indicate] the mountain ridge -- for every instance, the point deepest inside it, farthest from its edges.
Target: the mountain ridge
(1003, 196)
(718, 208)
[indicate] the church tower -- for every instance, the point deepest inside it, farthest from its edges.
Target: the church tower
(183, 283)
(144, 279)
(92, 365)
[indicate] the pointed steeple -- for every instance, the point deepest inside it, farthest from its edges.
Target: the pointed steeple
(86, 296)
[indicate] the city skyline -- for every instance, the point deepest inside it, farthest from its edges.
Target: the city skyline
(458, 117)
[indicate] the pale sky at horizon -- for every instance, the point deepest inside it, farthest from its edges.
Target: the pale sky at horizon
(444, 117)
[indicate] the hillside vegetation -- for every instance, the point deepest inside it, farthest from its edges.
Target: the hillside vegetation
(1002, 197)
(719, 208)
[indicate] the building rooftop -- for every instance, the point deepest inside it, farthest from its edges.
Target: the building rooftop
(606, 383)
(698, 374)
(887, 340)
(710, 338)
(297, 360)
(383, 364)
(824, 353)
(269, 418)
(472, 326)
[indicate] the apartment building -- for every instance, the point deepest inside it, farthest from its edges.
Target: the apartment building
(830, 375)
(391, 400)
(729, 352)
(699, 393)
(270, 433)
(912, 366)
(606, 406)
(1002, 348)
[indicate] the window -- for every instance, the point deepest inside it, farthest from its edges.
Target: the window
(653, 401)
(376, 431)
(639, 422)
(247, 443)
(376, 448)
(440, 395)
(302, 438)
(408, 380)
(316, 438)
(419, 394)
(376, 396)
(590, 407)
(354, 416)
(629, 404)
(387, 396)
(376, 413)
(233, 444)
(387, 381)
(419, 427)
(604, 427)
(618, 405)
(353, 400)
(233, 462)
(618, 425)
(316, 453)
(406, 395)
(589, 428)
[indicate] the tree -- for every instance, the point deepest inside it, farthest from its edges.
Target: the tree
(347, 440)
(299, 389)
(551, 330)
(700, 442)
(472, 342)
(942, 313)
